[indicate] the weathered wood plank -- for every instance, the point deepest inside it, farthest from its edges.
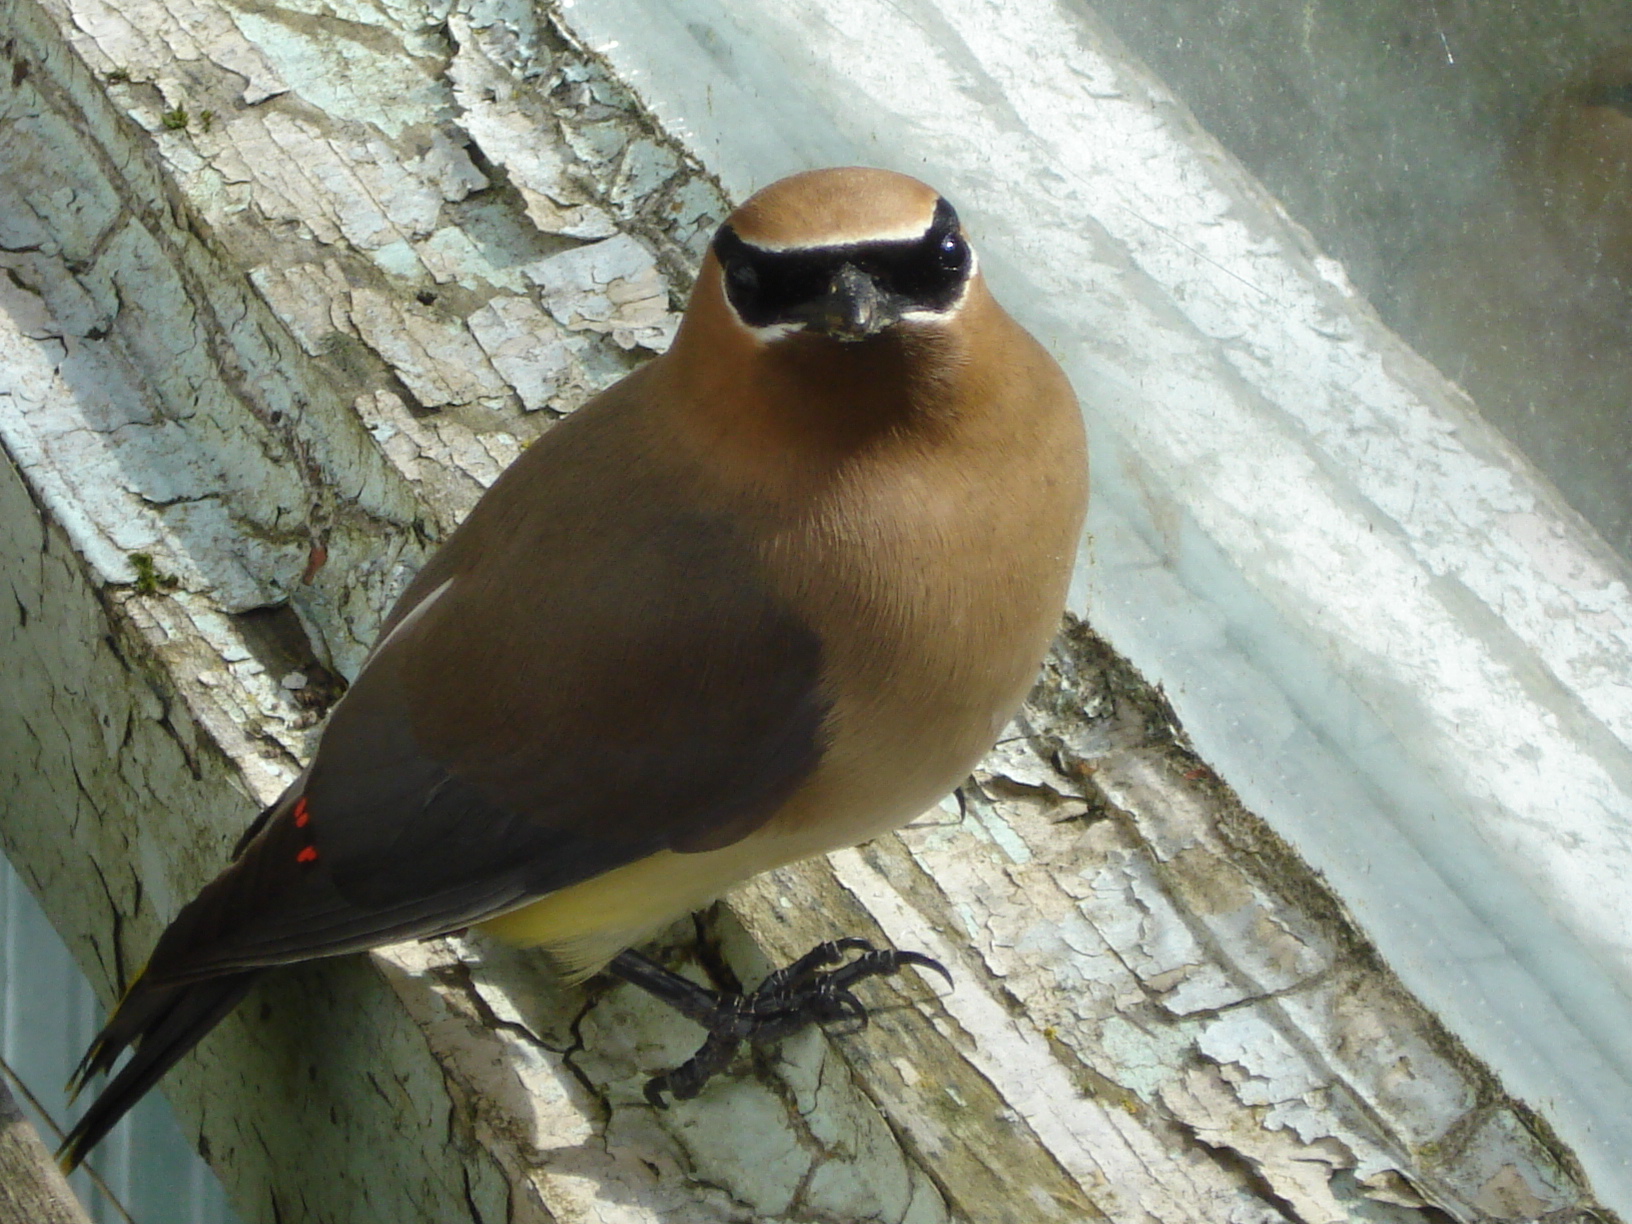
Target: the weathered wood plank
(273, 315)
(32, 1190)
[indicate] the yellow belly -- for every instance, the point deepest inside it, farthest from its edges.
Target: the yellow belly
(586, 925)
(882, 769)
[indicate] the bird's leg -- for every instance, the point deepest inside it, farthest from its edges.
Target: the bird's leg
(806, 992)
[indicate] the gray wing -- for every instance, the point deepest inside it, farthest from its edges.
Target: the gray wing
(604, 676)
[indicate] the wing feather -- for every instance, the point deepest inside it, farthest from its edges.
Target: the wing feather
(603, 675)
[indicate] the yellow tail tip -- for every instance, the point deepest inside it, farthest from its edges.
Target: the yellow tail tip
(81, 1074)
(69, 1157)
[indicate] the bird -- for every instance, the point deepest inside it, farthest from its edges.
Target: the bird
(772, 594)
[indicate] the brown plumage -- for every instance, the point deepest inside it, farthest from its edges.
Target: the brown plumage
(772, 594)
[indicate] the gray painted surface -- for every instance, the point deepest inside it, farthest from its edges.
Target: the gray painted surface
(47, 1016)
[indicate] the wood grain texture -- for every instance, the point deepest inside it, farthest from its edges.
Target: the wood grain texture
(32, 1191)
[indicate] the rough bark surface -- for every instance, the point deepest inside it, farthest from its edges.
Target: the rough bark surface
(284, 287)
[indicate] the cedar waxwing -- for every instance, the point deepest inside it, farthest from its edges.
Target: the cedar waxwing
(772, 594)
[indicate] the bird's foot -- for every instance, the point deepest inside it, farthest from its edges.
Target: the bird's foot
(806, 992)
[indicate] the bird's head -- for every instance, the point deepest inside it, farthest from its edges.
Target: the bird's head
(846, 254)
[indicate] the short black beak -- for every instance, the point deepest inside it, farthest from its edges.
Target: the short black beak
(853, 308)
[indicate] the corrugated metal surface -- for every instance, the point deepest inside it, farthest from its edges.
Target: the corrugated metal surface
(47, 1015)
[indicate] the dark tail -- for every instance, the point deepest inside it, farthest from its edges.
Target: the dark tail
(163, 1022)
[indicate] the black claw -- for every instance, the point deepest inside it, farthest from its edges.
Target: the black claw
(923, 962)
(803, 993)
(655, 1088)
(687, 1080)
(847, 1007)
(808, 965)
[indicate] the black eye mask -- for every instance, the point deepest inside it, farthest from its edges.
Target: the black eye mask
(769, 287)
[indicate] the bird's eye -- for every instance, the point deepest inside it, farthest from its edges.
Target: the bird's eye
(764, 286)
(928, 273)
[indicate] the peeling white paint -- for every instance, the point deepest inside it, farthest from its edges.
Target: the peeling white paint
(1132, 992)
(612, 287)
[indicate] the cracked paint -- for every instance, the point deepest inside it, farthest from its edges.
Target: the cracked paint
(428, 239)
